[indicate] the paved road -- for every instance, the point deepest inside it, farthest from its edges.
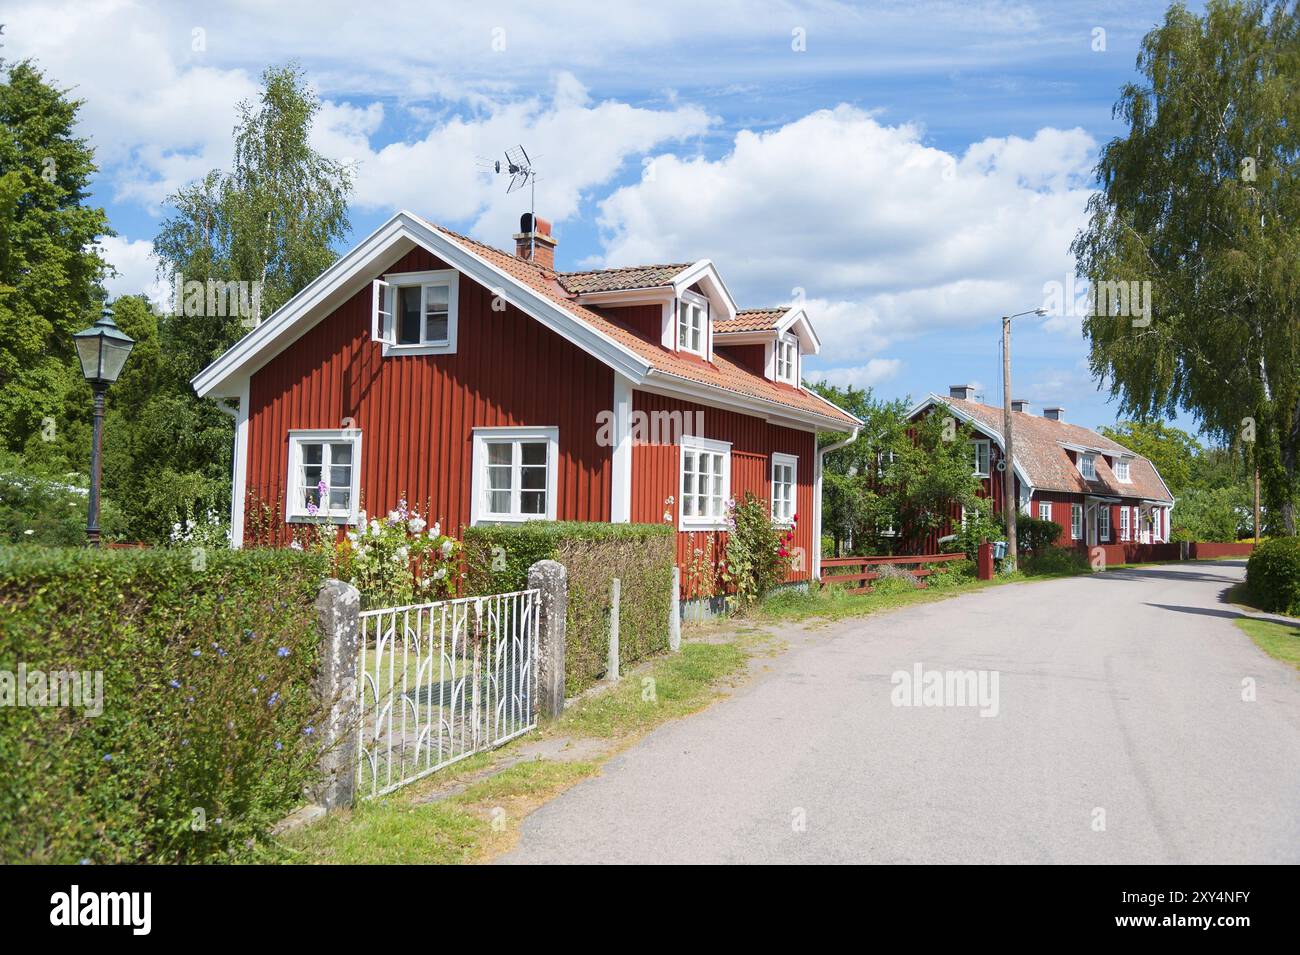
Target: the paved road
(1117, 692)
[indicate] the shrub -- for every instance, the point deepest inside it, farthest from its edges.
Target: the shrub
(1036, 534)
(1273, 575)
(980, 526)
(893, 579)
(1055, 561)
(757, 552)
(497, 559)
(41, 508)
(206, 735)
(952, 573)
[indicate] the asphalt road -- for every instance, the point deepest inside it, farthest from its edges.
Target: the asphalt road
(1120, 735)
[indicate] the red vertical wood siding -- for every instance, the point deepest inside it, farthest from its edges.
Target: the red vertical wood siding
(645, 320)
(656, 471)
(750, 357)
(417, 413)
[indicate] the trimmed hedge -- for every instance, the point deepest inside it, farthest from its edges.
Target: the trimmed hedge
(1273, 575)
(497, 559)
(206, 733)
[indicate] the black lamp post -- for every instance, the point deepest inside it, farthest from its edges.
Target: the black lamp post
(103, 349)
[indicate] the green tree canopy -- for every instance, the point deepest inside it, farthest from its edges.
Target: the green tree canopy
(1201, 199)
(50, 271)
(1172, 450)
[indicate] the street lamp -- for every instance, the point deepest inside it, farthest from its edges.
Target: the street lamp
(1010, 505)
(103, 349)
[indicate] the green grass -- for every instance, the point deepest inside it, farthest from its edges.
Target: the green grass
(407, 827)
(1281, 641)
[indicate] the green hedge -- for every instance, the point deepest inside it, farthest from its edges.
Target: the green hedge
(1273, 575)
(497, 559)
(206, 735)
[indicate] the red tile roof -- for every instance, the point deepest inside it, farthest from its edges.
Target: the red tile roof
(617, 280)
(720, 373)
(1040, 451)
(751, 320)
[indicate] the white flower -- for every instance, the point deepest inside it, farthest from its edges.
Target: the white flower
(295, 545)
(394, 517)
(416, 524)
(440, 573)
(446, 548)
(374, 526)
(352, 536)
(424, 582)
(437, 529)
(29, 531)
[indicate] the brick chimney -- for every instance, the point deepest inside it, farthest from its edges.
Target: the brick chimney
(535, 244)
(1020, 404)
(965, 392)
(1055, 414)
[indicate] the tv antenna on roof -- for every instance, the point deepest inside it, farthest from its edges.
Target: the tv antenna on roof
(521, 171)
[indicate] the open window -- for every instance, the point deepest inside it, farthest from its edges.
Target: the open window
(416, 312)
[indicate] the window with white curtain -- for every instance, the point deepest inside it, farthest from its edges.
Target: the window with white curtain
(514, 474)
(323, 473)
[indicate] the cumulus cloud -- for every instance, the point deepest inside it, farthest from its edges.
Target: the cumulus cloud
(135, 265)
(869, 375)
(886, 236)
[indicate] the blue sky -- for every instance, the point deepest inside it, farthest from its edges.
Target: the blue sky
(909, 170)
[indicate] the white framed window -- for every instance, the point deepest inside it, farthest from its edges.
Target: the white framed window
(1121, 471)
(1123, 524)
(1103, 522)
(785, 472)
(515, 472)
(705, 484)
(693, 324)
(1076, 521)
(329, 458)
(981, 457)
(1088, 466)
(1044, 510)
(415, 313)
(787, 359)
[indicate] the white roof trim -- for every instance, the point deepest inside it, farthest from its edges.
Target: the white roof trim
(798, 316)
(666, 383)
(282, 328)
(705, 272)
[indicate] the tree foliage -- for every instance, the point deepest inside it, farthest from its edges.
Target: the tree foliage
(1201, 198)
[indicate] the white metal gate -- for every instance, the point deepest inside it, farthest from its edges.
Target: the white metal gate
(440, 681)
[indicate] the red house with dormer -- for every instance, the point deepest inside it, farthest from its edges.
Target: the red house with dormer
(488, 386)
(1099, 491)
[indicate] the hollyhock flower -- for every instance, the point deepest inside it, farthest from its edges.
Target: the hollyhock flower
(416, 524)
(447, 547)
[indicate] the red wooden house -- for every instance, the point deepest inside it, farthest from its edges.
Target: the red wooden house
(1097, 490)
(427, 365)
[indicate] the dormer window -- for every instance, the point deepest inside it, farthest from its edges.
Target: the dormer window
(1121, 471)
(693, 324)
(1088, 466)
(787, 360)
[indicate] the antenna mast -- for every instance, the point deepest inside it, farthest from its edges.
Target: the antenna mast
(520, 167)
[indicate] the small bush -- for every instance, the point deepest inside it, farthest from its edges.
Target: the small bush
(757, 552)
(497, 559)
(1036, 534)
(206, 735)
(893, 579)
(1273, 575)
(980, 526)
(952, 573)
(1055, 561)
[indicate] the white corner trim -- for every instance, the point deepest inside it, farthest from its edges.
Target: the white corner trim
(620, 479)
(478, 477)
(819, 466)
(239, 469)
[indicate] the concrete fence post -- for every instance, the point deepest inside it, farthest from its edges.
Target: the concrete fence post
(552, 581)
(675, 614)
(338, 606)
(615, 595)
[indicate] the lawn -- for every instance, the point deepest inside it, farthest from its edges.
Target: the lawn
(1281, 641)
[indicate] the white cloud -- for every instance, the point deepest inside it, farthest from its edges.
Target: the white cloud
(869, 375)
(135, 264)
(901, 237)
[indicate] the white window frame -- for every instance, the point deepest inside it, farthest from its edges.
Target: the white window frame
(789, 345)
(988, 457)
(1088, 462)
(479, 512)
(1076, 521)
(698, 307)
(295, 509)
(1103, 522)
(785, 518)
(386, 311)
(1044, 510)
(1122, 471)
(1124, 533)
(693, 522)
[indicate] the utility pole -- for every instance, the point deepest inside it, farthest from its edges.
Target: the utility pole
(1010, 502)
(1009, 505)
